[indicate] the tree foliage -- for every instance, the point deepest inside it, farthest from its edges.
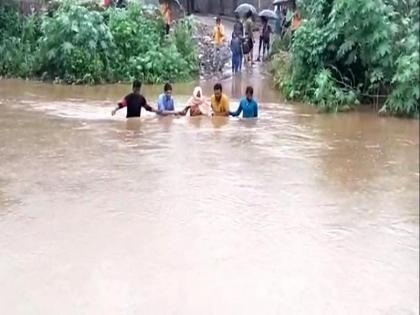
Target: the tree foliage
(79, 44)
(355, 50)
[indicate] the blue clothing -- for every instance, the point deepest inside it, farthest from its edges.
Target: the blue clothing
(236, 62)
(236, 48)
(249, 109)
(165, 103)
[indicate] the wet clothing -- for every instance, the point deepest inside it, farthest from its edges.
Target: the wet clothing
(218, 35)
(165, 103)
(265, 39)
(248, 108)
(166, 12)
(236, 48)
(134, 102)
(197, 104)
(249, 26)
(238, 29)
(221, 106)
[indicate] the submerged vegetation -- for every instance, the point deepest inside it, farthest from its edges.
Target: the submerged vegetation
(79, 44)
(346, 52)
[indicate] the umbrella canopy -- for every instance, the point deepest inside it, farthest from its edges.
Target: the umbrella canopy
(245, 8)
(269, 14)
(277, 2)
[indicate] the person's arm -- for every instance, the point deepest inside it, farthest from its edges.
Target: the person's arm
(151, 109)
(237, 112)
(256, 110)
(184, 111)
(121, 104)
(222, 32)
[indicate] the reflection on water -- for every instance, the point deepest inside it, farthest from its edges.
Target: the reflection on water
(292, 213)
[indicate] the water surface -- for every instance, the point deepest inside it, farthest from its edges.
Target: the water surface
(295, 213)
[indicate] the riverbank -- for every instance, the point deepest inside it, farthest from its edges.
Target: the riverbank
(79, 45)
(333, 66)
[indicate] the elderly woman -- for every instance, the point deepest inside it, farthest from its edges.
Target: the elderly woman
(197, 105)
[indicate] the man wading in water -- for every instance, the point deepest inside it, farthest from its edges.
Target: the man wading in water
(134, 102)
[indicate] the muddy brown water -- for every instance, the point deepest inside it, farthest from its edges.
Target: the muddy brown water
(295, 213)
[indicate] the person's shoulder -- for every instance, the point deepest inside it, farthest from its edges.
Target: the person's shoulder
(212, 98)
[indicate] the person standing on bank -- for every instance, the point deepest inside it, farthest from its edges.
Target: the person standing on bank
(238, 29)
(134, 103)
(218, 38)
(265, 34)
(248, 106)
(249, 36)
(166, 12)
(236, 49)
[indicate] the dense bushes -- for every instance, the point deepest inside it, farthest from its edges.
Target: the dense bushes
(76, 44)
(355, 50)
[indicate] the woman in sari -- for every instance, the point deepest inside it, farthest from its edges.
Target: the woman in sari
(197, 104)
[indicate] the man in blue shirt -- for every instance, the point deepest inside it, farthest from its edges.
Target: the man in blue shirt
(247, 105)
(165, 101)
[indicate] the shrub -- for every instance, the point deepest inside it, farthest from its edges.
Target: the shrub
(346, 51)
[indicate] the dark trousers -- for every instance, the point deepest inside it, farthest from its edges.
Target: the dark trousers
(265, 44)
(167, 28)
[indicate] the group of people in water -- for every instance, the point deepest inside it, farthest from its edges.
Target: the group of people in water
(197, 105)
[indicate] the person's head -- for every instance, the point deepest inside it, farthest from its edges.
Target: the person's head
(237, 17)
(218, 20)
(234, 35)
(198, 93)
(249, 14)
(264, 20)
(218, 90)
(136, 86)
(249, 92)
(167, 89)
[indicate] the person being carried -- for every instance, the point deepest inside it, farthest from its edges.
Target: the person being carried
(236, 49)
(219, 101)
(134, 103)
(248, 106)
(218, 38)
(197, 104)
(264, 38)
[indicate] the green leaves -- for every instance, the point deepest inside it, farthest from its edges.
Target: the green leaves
(79, 45)
(345, 49)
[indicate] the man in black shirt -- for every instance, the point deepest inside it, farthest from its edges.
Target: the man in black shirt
(134, 102)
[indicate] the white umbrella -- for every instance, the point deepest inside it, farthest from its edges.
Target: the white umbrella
(243, 9)
(277, 2)
(269, 14)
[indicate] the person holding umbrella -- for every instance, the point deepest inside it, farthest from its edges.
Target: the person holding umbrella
(249, 35)
(265, 33)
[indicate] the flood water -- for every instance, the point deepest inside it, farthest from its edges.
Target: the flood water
(295, 213)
